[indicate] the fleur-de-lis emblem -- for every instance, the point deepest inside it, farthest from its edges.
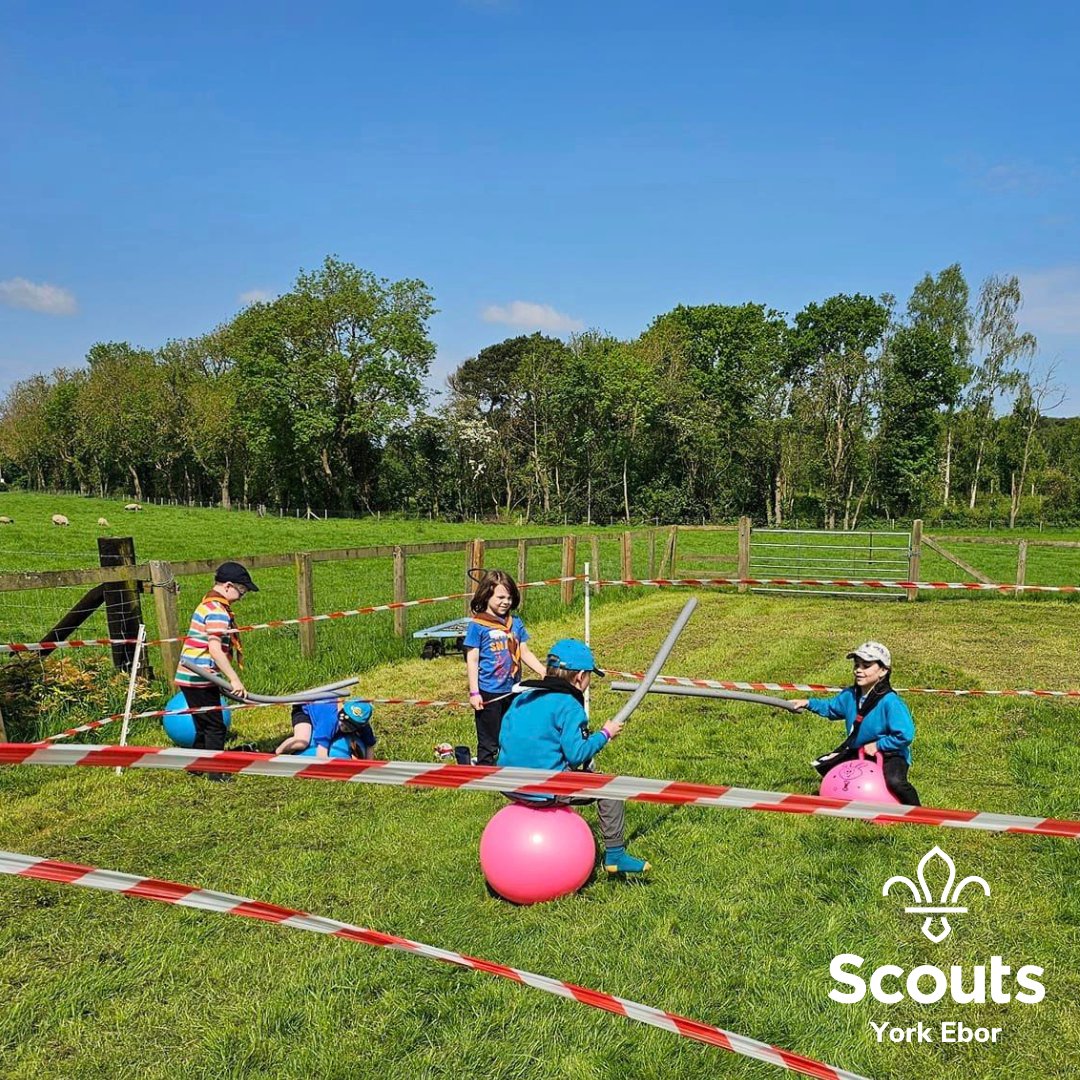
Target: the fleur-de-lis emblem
(936, 913)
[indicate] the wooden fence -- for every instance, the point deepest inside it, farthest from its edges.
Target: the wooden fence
(121, 574)
(121, 581)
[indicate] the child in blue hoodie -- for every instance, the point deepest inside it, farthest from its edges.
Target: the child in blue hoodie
(546, 728)
(877, 720)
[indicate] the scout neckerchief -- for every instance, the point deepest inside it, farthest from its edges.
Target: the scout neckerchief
(862, 708)
(493, 622)
(232, 642)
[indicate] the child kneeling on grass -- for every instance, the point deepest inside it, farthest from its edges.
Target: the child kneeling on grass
(327, 722)
(877, 720)
(546, 728)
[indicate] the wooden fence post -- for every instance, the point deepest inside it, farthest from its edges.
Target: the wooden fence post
(399, 591)
(1021, 566)
(470, 585)
(474, 560)
(569, 567)
(667, 559)
(915, 558)
(652, 553)
(744, 551)
(305, 602)
(165, 589)
(123, 611)
(522, 568)
(627, 556)
(594, 562)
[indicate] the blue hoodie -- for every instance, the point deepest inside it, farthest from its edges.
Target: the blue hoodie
(888, 723)
(546, 728)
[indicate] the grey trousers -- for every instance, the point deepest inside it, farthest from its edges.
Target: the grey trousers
(612, 814)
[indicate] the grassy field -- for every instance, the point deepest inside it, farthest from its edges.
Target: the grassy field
(737, 924)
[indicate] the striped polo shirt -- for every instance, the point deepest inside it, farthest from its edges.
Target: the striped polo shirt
(212, 618)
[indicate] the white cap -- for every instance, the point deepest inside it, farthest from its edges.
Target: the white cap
(870, 651)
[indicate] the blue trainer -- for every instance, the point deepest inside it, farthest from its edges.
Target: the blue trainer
(618, 861)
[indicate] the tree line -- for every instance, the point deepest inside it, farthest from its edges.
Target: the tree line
(852, 411)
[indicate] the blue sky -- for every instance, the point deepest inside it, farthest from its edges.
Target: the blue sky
(540, 165)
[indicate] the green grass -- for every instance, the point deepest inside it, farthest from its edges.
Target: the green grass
(736, 926)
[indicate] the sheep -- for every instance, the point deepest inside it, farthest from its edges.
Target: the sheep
(133, 506)
(7, 521)
(103, 522)
(59, 519)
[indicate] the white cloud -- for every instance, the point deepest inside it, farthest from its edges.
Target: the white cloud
(44, 298)
(256, 296)
(530, 316)
(1051, 300)
(1018, 178)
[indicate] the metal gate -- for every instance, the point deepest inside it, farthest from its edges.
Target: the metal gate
(825, 554)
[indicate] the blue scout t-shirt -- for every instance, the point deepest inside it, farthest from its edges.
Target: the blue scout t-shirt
(500, 664)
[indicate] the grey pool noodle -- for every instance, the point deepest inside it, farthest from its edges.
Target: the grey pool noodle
(316, 693)
(711, 692)
(659, 660)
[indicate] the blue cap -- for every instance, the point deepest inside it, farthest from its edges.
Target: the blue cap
(357, 709)
(573, 655)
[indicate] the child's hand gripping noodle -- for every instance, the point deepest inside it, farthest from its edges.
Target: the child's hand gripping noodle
(876, 718)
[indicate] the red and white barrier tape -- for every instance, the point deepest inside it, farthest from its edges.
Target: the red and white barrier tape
(846, 583)
(170, 892)
(817, 688)
(524, 782)
(968, 586)
(52, 646)
(93, 725)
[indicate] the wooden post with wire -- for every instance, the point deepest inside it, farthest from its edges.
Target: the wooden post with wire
(305, 602)
(652, 553)
(522, 568)
(1021, 566)
(667, 558)
(627, 556)
(569, 568)
(915, 556)
(165, 588)
(400, 590)
(744, 551)
(594, 551)
(123, 612)
(474, 561)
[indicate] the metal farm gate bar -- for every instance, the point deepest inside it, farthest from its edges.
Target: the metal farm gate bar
(823, 553)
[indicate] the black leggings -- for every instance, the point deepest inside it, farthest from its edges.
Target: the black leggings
(489, 724)
(210, 727)
(894, 765)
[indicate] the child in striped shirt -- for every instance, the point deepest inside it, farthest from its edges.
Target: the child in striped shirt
(210, 644)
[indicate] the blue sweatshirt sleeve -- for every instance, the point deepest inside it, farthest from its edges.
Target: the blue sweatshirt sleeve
(831, 708)
(578, 748)
(901, 727)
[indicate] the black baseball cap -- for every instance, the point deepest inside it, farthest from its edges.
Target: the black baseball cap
(233, 573)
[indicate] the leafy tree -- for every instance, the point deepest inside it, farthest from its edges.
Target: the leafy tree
(941, 305)
(1002, 344)
(835, 344)
(327, 371)
(920, 377)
